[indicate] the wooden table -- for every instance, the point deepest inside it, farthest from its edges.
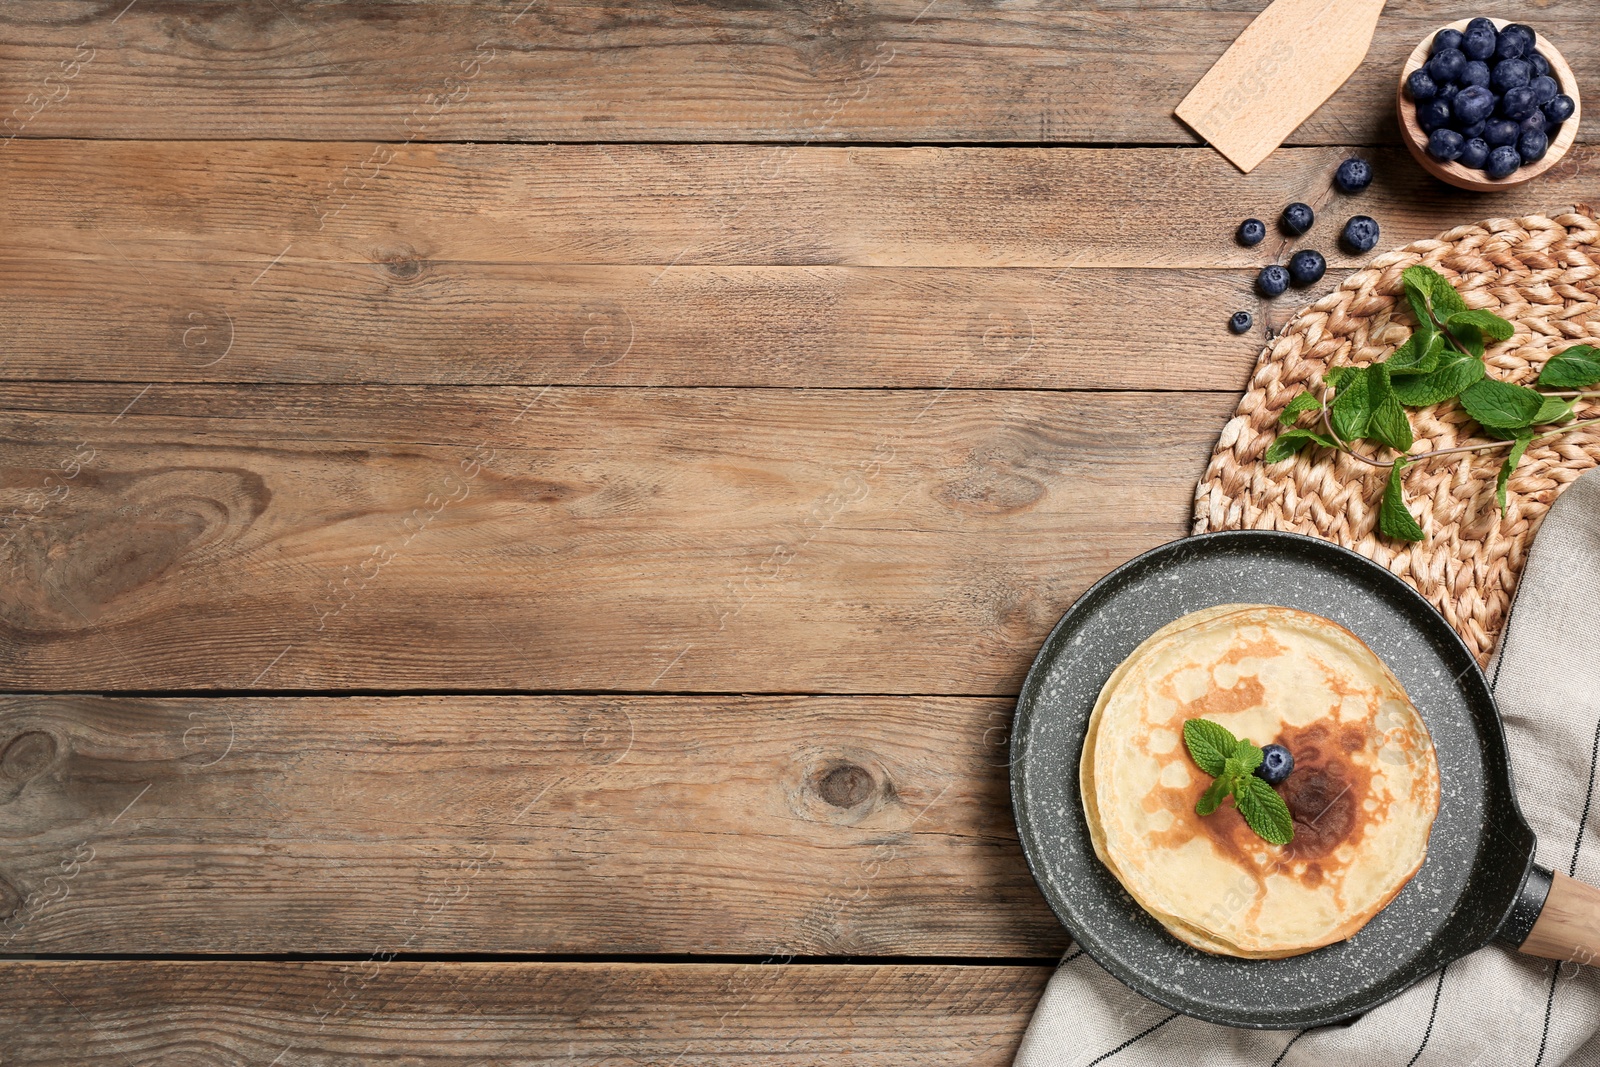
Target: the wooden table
(523, 522)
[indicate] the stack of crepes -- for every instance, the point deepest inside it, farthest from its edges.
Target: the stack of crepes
(1363, 793)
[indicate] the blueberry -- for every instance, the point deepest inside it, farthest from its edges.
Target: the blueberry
(1473, 104)
(1502, 162)
(1445, 145)
(1545, 89)
(1361, 233)
(1446, 64)
(1560, 109)
(1297, 218)
(1535, 121)
(1532, 145)
(1273, 279)
(1529, 38)
(1476, 72)
(1251, 232)
(1519, 103)
(1446, 38)
(1501, 131)
(1473, 153)
(1276, 764)
(1479, 39)
(1434, 115)
(1509, 74)
(1475, 130)
(1353, 175)
(1540, 65)
(1448, 91)
(1240, 322)
(1421, 86)
(1511, 44)
(1307, 267)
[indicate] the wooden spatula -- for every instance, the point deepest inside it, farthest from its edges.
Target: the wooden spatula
(1281, 69)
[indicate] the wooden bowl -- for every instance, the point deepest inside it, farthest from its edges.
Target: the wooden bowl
(1469, 177)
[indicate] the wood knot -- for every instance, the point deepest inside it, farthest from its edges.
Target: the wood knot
(845, 785)
(28, 755)
(404, 265)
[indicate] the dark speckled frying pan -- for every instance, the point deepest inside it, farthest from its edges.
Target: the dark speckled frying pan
(1479, 881)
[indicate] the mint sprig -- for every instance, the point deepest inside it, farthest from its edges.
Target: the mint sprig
(1442, 360)
(1231, 763)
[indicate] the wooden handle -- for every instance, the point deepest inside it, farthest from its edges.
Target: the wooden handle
(1569, 926)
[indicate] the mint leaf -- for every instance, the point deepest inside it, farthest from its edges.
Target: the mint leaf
(1212, 797)
(1576, 368)
(1487, 322)
(1291, 441)
(1417, 288)
(1419, 355)
(1390, 423)
(1296, 407)
(1394, 518)
(1508, 466)
(1264, 810)
(1352, 408)
(1248, 755)
(1209, 744)
(1233, 767)
(1554, 409)
(1441, 295)
(1447, 381)
(1468, 337)
(1501, 405)
(1333, 375)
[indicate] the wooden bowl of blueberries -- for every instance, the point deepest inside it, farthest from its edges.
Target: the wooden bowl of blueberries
(1486, 104)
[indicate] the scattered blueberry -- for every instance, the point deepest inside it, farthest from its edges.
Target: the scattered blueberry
(1240, 322)
(1298, 218)
(1445, 64)
(1473, 153)
(1421, 86)
(1519, 103)
(1361, 232)
(1502, 162)
(1273, 279)
(1476, 72)
(1276, 764)
(1540, 65)
(1532, 145)
(1445, 145)
(1560, 109)
(1434, 115)
(1508, 74)
(1307, 267)
(1251, 232)
(1353, 175)
(1544, 89)
(1501, 131)
(1479, 39)
(1473, 104)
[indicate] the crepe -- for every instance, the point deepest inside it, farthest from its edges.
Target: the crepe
(1364, 791)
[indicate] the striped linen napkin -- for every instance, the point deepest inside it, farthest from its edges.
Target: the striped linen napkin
(1494, 1007)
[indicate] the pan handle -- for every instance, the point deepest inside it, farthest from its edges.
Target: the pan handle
(1568, 925)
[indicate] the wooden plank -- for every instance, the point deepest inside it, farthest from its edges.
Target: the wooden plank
(888, 70)
(58, 1014)
(668, 206)
(473, 324)
(298, 537)
(560, 824)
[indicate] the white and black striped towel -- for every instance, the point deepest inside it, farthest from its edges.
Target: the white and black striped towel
(1495, 1007)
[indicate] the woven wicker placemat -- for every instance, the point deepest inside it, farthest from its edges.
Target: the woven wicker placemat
(1543, 274)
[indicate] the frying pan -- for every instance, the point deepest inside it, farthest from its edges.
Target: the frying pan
(1478, 883)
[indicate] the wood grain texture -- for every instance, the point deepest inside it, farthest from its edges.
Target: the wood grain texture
(456, 1015)
(473, 324)
(668, 206)
(1568, 928)
(299, 537)
(563, 824)
(884, 70)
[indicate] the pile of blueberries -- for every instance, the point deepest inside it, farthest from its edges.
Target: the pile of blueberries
(1307, 266)
(1486, 98)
